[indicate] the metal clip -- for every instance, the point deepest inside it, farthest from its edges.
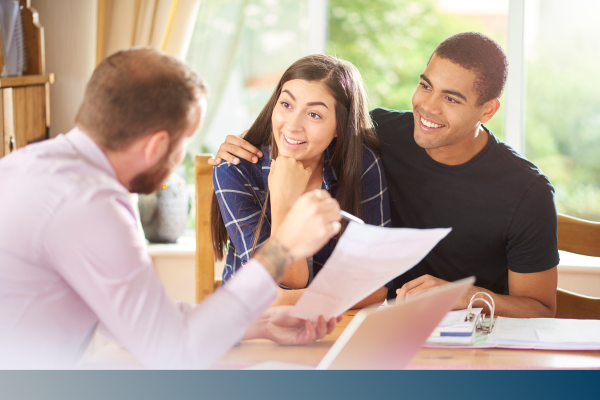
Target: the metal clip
(480, 323)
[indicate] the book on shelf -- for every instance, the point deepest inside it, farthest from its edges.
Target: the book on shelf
(13, 42)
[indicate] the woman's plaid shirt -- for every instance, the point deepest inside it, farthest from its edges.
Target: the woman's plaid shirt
(241, 190)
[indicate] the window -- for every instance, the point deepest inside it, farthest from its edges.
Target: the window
(562, 100)
(242, 48)
(390, 41)
(551, 111)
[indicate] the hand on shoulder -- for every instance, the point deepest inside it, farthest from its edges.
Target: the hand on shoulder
(234, 148)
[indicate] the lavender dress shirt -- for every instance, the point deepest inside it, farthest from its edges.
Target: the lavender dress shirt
(71, 259)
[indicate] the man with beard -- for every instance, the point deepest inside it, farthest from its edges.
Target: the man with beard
(71, 258)
(445, 169)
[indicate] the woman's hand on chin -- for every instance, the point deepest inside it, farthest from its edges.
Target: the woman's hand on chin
(287, 182)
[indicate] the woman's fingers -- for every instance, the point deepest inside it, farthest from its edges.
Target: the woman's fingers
(291, 166)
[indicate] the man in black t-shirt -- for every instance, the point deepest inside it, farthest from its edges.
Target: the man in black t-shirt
(499, 205)
(445, 169)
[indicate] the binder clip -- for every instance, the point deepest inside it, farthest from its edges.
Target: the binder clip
(481, 326)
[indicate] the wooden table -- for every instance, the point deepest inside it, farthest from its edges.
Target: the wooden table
(252, 352)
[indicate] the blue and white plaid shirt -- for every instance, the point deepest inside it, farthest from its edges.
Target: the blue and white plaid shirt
(241, 190)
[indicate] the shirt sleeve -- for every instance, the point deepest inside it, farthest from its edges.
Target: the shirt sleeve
(241, 208)
(94, 244)
(375, 201)
(532, 244)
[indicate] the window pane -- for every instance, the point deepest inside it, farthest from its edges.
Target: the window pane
(562, 115)
(242, 48)
(390, 41)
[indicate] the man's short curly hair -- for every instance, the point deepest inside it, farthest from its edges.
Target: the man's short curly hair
(482, 55)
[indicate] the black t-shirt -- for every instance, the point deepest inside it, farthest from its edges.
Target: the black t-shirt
(499, 205)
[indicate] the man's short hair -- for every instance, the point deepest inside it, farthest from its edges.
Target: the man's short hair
(482, 55)
(137, 92)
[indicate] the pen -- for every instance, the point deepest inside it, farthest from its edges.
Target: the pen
(434, 334)
(350, 217)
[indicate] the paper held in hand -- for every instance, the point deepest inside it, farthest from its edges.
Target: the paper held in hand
(366, 258)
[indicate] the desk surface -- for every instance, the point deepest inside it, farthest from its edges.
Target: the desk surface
(253, 352)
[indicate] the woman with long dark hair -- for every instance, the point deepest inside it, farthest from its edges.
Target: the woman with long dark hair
(315, 132)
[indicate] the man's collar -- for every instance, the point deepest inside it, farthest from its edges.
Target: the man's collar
(90, 150)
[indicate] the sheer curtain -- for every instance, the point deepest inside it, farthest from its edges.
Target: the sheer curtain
(165, 25)
(241, 48)
(213, 52)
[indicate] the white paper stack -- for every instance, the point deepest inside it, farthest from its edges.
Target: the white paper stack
(546, 333)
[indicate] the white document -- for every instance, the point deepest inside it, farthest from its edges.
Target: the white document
(455, 321)
(512, 331)
(546, 332)
(366, 258)
(554, 330)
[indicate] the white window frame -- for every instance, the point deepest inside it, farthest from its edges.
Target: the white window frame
(515, 85)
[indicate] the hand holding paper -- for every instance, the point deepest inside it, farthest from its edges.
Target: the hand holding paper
(366, 258)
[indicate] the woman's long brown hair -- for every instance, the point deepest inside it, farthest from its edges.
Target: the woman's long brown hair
(354, 128)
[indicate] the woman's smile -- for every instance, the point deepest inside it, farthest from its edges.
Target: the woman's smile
(291, 142)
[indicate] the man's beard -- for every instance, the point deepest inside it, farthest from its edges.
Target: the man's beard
(152, 180)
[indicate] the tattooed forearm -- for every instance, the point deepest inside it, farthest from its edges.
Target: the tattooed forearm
(275, 257)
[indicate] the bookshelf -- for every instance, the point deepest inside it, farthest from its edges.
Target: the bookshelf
(25, 100)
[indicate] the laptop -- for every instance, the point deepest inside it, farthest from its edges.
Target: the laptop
(387, 337)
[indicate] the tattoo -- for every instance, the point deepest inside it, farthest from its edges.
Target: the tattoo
(275, 257)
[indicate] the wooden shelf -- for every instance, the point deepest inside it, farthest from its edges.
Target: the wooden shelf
(25, 100)
(26, 80)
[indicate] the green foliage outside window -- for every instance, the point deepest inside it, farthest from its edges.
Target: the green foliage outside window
(390, 42)
(562, 116)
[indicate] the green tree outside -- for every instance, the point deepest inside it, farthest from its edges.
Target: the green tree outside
(390, 42)
(562, 120)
